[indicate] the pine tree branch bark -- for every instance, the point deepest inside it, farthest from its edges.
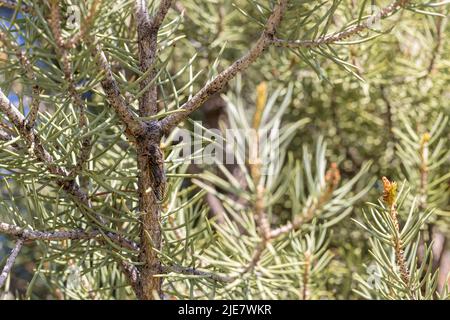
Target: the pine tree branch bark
(345, 34)
(27, 234)
(134, 127)
(150, 159)
(64, 58)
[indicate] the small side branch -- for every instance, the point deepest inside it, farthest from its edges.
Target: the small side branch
(133, 125)
(195, 272)
(424, 170)
(27, 234)
(30, 74)
(147, 30)
(306, 276)
(441, 23)
(259, 205)
(340, 36)
(133, 276)
(63, 55)
(160, 14)
(84, 27)
(10, 262)
(332, 179)
(219, 82)
(390, 198)
(5, 136)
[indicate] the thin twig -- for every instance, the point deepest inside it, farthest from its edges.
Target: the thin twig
(27, 234)
(134, 126)
(424, 170)
(332, 178)
(84, 26)
(196, 272)
(34, 106)
(219, 82)
(133, 276)
(339, 36)
(305, 278)
(160, 14)
(441, 23)
(390, 198)
(30, 74)
(4, 136)
(259, 206)
(10, 262)
(147, 30)
(63, 55)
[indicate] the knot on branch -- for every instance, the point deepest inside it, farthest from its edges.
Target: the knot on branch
(153, 131)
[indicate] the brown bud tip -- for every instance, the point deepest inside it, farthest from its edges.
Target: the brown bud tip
(332, 176)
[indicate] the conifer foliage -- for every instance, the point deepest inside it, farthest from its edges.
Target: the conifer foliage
(118, 180)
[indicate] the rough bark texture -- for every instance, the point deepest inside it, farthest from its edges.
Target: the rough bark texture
(151, 182)
(150, 160)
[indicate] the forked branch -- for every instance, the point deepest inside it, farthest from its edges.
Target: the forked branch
(219, 82)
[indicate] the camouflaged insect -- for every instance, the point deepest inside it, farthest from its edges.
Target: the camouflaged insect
(156, 164)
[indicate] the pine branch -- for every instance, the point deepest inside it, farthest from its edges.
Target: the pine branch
(134, 127)
(10, 261)
(424, 170)
(109, 84)
(34, 107)
(63, 55)
(219, 82)
(441, 23)
(160, 14)
(339, 36)
(305, 278)
(150, 159)
(68, 184)
(389, 197)
(28, 68)
(133, 276)
(27, 234)
(84, 27)
(147, 43)
(332, 178)
(259, 207)
(4, 136)
(195, 272)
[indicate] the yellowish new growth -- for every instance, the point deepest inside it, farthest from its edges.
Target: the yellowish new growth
(389, 196)
(261, 99)
(425, 138)
(389, 191)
